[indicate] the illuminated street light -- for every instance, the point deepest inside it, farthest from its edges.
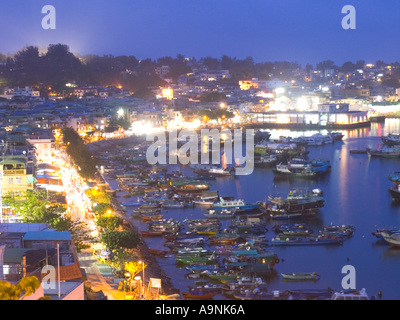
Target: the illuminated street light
(120, 112)
(143, 291)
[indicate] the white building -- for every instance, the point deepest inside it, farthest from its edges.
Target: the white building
(44, 143)
(9, 93)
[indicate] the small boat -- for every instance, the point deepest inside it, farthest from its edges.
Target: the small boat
(265, 160)
(385, 152)
(199, 295)
(356, 151)
(235, 204)
(395, 177)
(203, 202)
(151, 216)
(350, 295)
(304, 241)
(159, 253)
(392, 238)
(341, 230)
(299, 276)
(391, 139)
(395, 192)
(285, 171)
(222, 214)
(379, 232)
(151, 233)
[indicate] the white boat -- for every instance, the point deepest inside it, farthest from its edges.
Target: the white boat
(312, 141)
(325, 138)
(385, 152)
(203, 202)
(350, 295)
(392, 238)
(235, 204)
(391, 139)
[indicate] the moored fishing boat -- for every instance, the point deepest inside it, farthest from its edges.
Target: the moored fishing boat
(392, 238)
(350, 295)
(296, 201)
(234, 204)
(152, 233)
(199, 295)
(391, 139)
(217, 172)
(304, 241)
(300, 276)
(220, 214)
(339, 230)
(395, 192)
(159, 253)
(151, 216)
(265, 160)
(294, 229)
(284, 171)
(379, 232)
(385, 152)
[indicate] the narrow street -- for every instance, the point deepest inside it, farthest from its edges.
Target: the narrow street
(99, 276)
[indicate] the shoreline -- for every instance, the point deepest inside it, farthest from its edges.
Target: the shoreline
(153, 269)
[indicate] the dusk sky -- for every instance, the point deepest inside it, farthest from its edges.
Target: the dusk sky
(303, 31)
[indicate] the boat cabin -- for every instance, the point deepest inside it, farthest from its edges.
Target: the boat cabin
(350, 295)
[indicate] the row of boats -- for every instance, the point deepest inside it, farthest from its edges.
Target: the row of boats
(294, 205)
(225, 260)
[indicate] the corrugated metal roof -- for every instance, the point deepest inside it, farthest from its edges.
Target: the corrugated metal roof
(48, 235)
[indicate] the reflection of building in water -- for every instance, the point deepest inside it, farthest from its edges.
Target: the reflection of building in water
(329, 116)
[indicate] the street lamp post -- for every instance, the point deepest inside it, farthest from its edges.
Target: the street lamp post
(143, 290)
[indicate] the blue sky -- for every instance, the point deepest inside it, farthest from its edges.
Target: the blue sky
(303, 31)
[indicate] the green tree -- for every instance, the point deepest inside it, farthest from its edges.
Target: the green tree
(115, 240)
(25, 287)
(109, 223)
(79, 153)
(34, 207)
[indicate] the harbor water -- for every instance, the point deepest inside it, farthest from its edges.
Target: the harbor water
(356, 193)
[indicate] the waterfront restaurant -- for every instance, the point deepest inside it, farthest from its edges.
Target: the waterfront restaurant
(328, 116)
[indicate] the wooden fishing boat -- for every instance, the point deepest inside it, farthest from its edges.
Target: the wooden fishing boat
(154, 217)
(385, 152)
(220, 214)
(201, 268)
(304, 241)
(151, 233)
(221, 238)
(159, 253)
(234, 205)
(199, 295)
(294, 229)
(340, 230)
(300, 276)
(222, 277)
